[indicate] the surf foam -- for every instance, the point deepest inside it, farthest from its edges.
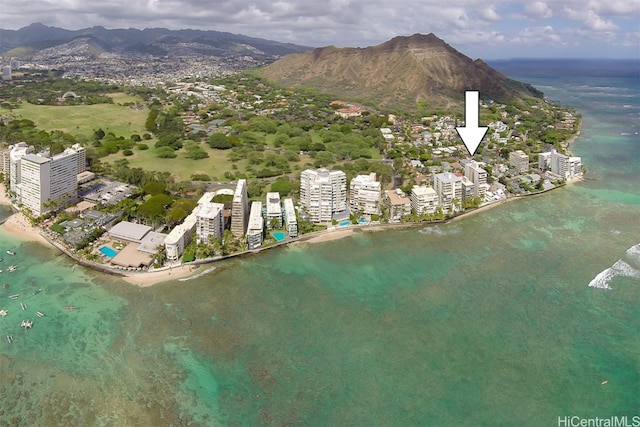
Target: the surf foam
(629, 266)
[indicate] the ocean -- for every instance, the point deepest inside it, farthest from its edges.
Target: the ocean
(520, 315)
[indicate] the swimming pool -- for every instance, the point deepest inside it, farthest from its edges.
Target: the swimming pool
(344, 223)
(106, 250)
(279, 235)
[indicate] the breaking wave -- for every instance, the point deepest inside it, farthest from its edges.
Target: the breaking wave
(628, 266)
(207, 271)
(436, 230)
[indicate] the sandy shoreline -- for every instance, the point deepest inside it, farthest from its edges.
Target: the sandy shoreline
(19, 226)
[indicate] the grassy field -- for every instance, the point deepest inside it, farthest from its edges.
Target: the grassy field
(85, 119)
(182, 168)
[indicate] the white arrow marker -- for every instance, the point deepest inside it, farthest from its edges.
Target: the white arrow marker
(471, 134)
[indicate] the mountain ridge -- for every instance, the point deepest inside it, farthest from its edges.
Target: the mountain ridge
(29, 38)
(402, 72)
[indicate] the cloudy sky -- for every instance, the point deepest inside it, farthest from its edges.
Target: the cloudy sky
(489, 29)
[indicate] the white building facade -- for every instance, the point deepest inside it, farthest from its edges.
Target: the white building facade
(474, 172)
(47, 183)
(255, 227)
(322, 193)
(210, 221)
(519, 160)
(424, 200)
(274, 210)
(240, 209)
(290, 219)
(364, 194)
(449, 189)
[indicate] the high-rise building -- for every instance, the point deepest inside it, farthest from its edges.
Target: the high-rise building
(210, 221)
(519, 160)
(6, 72)
(364, 194)
(255, 227)
(290, 219)
(47, 183)
(240, 209)
(18, 151)
(449, 188)
(323, 193)
(474, 172)
(559, 164)
(544, 161)
(274, 210)
(424, 200)
(5, 164)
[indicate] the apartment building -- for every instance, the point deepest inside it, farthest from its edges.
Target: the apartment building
(18, 151)
(5, 163)
(559, 164)
(424, 200)
(240, 209)
(255, 227)
(47, 183)
(290, 219)
(274, 210)
(519, 160)
(448, 186)
(474, 172)
(182, 234)
(323, 192)
(210, 221)
(399, 204)
(364, 194)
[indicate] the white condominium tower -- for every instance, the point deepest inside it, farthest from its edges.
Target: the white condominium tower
(424, 200)
(322, 193)
(561, 165)
(240, 209)
(364, 194)
(449, 187)
(474, 172)
(210, 221)
(519, 160)
(255, 228)
(47, 183)
(18, 151)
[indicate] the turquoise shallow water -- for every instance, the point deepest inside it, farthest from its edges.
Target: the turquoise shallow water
(489, 320)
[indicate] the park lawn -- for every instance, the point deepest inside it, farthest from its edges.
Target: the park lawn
(83, 120)
(183, 168)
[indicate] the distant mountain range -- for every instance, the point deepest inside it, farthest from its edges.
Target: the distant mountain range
(400, 73)
(28, 41)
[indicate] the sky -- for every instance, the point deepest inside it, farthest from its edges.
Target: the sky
(488, 29)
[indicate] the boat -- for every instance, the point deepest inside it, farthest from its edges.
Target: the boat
(3, 313)
(37, 291)
(12, 268)
(23, 305)
(70, 307)
(39, 314)
(27, 324)
(10, 252)
(14, 296)
(5, 285)
(9, 339)
(1, 259)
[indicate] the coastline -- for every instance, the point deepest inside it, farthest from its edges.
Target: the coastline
(19, 226)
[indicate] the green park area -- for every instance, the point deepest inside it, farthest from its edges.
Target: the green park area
(121, 118)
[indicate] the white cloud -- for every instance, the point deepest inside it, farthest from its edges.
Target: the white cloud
(538, 10)
(489, 14)
(591, 20)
